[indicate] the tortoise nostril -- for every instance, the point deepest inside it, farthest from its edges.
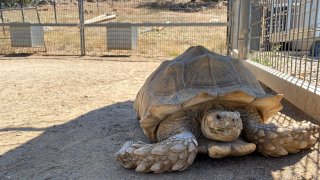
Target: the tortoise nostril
(218, 116)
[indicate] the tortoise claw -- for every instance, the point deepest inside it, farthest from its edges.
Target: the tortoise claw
(239, 147)
(276, 140)
(174, 154)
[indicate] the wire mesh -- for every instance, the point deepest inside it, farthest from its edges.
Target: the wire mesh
(168, 42)
(60, 20)
(62, 40)
(286, 37)
(55, 40)
(41, 11)
(138, 11)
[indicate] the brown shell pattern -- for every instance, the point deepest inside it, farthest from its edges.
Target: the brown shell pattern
(196, 76)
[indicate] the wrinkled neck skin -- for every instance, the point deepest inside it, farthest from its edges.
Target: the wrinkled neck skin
(251, 119)
(250, 115)
(197, 120)
(180, 122)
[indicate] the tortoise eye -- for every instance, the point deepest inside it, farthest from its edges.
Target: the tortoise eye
(218, 116)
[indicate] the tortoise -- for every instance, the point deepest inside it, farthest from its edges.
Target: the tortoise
(203, 102)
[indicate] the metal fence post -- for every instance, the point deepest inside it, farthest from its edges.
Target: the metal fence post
(1, 15)
(2, 19)
(55, 11)
(82, 38)
(244, 33)
(235, 26)
(229, 20)
(256, 26)
(22, 13)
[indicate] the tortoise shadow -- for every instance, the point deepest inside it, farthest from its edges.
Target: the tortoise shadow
(83, 148)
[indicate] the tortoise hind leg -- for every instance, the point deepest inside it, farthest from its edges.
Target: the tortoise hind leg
(281, 136)
(173, 154)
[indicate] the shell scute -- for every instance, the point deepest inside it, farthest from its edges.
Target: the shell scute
(197, 76)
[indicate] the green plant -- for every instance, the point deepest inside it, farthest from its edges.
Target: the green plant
(262, 60)
(275, 47)
(173, 53)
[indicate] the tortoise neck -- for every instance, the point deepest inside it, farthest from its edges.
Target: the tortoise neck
(179, 123)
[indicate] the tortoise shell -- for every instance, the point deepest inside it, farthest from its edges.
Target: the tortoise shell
(197, 76)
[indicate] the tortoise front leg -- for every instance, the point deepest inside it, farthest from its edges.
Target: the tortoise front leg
(281, 136)
(173, 154)
(219, 149)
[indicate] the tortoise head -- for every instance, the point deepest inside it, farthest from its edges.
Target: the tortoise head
(221, 125)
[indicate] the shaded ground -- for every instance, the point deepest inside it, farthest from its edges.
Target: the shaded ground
(182, 6)
(65, 117)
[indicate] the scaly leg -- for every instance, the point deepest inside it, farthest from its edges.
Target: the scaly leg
(281, 136)
(173, 154)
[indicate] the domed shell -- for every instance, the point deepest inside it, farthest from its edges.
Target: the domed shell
(196, 76)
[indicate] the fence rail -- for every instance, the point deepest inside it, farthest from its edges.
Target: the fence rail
(164, 28)
(282, 34)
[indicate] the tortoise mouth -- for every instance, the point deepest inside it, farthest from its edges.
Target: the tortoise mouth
(230, 128)
(221, 129)
(225, 133)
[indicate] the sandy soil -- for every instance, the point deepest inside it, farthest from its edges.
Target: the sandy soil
(65, 117)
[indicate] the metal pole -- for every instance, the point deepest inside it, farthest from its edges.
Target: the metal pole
(294, 27)
(303, 38)
(22, 13)
(98, 6)
(238, 19)
(38, 16)
(2, 19)
(1, 15)
(274, 25)
(298, 36)
(228, 27)
(229, 17)
(82, 38)
(247, 29)
(309, 31)
(314, 33)
(234, 27)
(245, 15)
(55, 11)
(290, 28)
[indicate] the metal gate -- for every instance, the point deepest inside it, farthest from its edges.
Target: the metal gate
(113, 27)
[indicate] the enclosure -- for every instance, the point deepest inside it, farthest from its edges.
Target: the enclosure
(285, 41)
(67, 85)
(284, 34)
(165, 28)
(65, 117)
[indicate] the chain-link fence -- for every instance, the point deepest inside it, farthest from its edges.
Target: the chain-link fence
(285, 35)
(116, 27)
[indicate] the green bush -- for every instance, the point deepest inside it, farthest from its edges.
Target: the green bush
(14, 3)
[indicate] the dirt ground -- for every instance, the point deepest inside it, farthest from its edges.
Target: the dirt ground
(65, 117)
